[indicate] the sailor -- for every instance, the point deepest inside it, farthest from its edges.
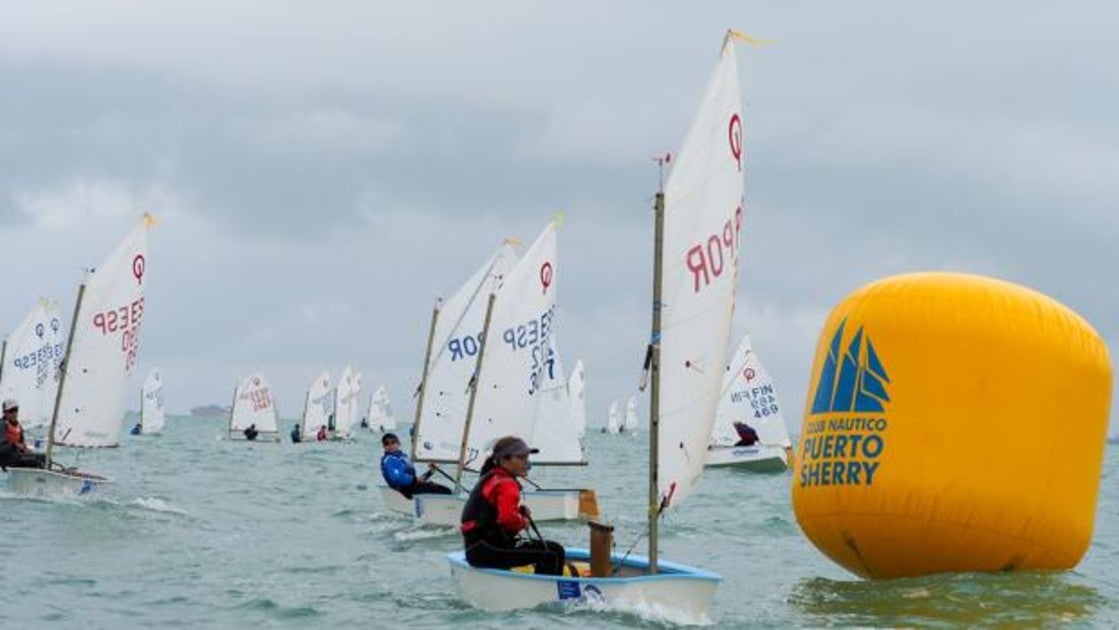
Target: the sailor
(251, 432)
(400, 474)
(747, 436)
(321, 434)
(13, 450)
(364, 422)
(296, 435)
(493, 517)
(137, 429)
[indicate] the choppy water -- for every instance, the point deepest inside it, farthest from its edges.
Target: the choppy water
(201, 532)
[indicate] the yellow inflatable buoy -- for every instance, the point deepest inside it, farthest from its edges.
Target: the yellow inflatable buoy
(953, 423)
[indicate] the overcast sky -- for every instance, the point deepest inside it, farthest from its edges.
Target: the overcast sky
(321, 171)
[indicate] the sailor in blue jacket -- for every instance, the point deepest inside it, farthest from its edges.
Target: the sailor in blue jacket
(400, 474)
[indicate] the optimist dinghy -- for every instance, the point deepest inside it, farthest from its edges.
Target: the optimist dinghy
(100, 355)
(698, 215)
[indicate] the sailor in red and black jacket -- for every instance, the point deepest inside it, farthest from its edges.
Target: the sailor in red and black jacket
(493, 516)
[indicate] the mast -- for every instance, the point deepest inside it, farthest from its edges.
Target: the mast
(423, 379)
(62, 376)
(3, 358)
(233, 409)
(306, 408)
(654, 368)
(142, 397)
(474, 390)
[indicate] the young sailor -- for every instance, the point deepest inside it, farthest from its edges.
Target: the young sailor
(251, 432)
(399, 473)
(493, 516)
(296, 435)
(13, 450)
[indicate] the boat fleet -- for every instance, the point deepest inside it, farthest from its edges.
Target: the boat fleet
(492, 366)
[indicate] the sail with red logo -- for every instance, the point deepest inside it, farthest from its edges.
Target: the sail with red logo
(103, 352)
(254, 406)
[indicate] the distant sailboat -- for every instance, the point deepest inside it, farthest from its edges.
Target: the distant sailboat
(152, 416)
(613, 419)
(253, 405)
(749, 401)
(30, 363)
(629, 425)
(380, 416)
(316, 407)
(347, 396)
(100, 355)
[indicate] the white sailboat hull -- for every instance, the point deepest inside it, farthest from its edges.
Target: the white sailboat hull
(53, 484)
(756, 458)
(679, 592)
(446, 509)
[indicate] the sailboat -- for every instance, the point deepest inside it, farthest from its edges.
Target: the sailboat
(695, 261)
(577, 394)
(519, 388)
(253, 405)
(629, 424)
(100, 354)
(347, 395)
(380, 416)
(29, 364)
(453, 342)
(613, 419)
(749, 398)
(316, 408)
(152, 416)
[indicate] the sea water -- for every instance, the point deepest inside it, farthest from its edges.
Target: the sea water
(201, 532)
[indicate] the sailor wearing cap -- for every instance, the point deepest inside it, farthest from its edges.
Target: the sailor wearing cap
(493, 517)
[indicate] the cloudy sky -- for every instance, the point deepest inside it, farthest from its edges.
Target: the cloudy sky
(321, 171)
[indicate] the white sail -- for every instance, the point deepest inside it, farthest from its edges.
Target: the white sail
(576, 392)
(345, 406)
(105, 347)
(521, 389)
(380, 411)
(613, 420)
(629, 424)
(357, 389)
(253, 404)
(702, 216)
(749, 396)
(151, 404)
(30, 370)
(454, 353)
(318, 406)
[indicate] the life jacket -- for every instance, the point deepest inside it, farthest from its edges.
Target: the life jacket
(479, 516)
(13, 433)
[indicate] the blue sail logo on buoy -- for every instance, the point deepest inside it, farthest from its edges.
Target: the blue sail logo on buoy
(860, 386)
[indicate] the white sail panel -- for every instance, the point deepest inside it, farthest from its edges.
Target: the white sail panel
(32, 355)
(344, 406)
(253, 404)
(357, 388)
(749, 396)
(317, 409)
(521, 389)
(380, 411)
(454, 351)
(702, 217)
(577, 393)
(152, 414)
(630, 423)
(105, 346)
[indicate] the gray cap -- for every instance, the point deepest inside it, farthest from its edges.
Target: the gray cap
(11, 403)
(512, 446)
